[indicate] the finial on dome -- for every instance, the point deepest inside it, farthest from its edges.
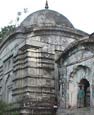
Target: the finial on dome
(46, 5)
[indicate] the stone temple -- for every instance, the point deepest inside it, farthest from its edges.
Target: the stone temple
(44, 63)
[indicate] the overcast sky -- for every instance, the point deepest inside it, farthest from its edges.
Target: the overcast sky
(79, 12)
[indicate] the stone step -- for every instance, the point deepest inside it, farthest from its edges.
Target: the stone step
(80, 111)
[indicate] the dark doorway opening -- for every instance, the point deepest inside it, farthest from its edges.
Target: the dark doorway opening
(85, 85)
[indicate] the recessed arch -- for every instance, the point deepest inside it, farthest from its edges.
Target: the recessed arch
(79, 72)
(84, 93)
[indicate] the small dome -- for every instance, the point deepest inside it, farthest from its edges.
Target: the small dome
(46, 18)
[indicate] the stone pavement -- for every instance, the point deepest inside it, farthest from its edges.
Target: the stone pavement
(79, 111)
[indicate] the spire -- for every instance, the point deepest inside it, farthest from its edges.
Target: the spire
(46, 5)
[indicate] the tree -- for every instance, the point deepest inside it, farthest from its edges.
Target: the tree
(5, 31)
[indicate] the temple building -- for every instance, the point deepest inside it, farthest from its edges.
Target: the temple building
(43, 62)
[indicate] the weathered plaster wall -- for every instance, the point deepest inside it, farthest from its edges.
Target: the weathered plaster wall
(7, 53)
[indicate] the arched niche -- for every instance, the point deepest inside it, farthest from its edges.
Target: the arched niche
(80, 74)
(84, 93)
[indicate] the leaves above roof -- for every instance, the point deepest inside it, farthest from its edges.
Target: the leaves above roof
(5, 31)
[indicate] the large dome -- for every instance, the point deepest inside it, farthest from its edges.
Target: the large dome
(46, 18)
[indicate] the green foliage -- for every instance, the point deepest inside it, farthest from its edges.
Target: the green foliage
(5, 109)
(14, 113)
(5, 31)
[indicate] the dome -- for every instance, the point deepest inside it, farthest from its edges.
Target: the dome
(46, 17)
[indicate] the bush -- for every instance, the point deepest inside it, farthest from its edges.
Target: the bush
(5, 109)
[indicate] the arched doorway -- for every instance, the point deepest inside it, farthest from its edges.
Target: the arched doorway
(84, 90)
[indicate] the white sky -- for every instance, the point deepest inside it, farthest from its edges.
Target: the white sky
(79, 12)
